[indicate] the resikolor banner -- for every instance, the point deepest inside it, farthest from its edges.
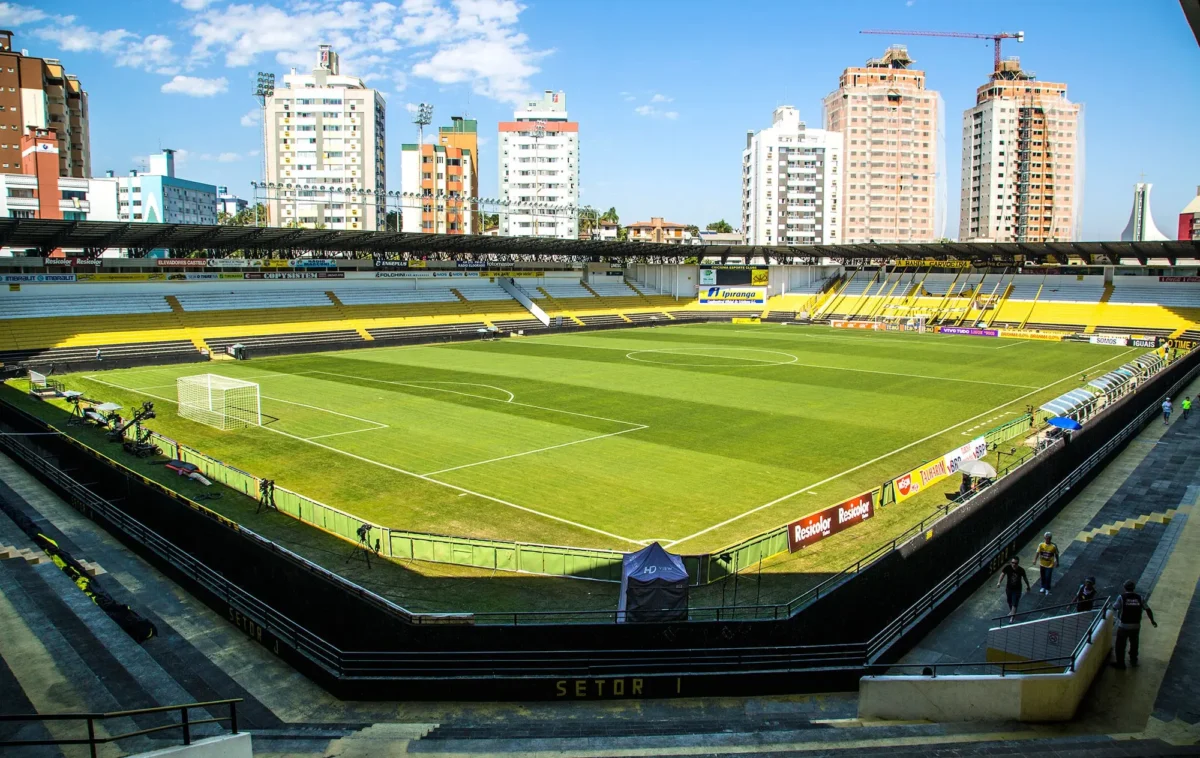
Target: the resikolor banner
(817, 526)
(938, 469)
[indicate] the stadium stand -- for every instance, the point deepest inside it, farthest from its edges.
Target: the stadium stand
(93, 305)
(297, 342)
(1147, 291)
(377, 296)
(429, 332)
(520, 324)
(252, 300)
(150, 352)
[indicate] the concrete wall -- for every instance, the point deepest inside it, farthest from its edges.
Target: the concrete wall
(1015, 697)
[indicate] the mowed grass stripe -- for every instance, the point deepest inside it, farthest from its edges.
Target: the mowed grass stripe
(717, 443)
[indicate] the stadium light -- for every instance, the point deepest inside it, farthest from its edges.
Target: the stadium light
(422, 117)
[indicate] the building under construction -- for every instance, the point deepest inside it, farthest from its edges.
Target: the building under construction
(889, 125)
(1022, 159)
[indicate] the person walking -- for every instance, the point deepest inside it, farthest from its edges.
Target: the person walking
(1166, 408)
(1011, 576)
(1129, 608)
(1047, 558)
(1187, 407)
(1085, 596)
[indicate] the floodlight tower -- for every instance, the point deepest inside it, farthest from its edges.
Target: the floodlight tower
(264, 90)
(423, 117)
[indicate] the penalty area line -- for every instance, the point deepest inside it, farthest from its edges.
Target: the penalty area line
(885, 456)
(399, 470)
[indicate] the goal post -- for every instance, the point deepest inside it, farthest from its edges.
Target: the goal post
(219, 401)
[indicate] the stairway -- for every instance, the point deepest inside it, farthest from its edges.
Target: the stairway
(350, 320)
(1098, 311)
(562, 311)
(192, 334)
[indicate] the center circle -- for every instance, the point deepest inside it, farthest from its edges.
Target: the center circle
(707, 357)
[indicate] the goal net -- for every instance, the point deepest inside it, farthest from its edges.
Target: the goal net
(219, 401)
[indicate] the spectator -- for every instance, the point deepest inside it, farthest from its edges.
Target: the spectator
(1187, 407)
(1085, 597)
(99, 357)
(1013, 575)
(1166, 408)
(1047, 556)
(1129, 609)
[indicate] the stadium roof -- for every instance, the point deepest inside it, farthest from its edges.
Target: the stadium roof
(93, 237)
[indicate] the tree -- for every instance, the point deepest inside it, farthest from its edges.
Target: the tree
(610, 215)
(491, 221)
(623, 234)
(721, 227)
(693, 230)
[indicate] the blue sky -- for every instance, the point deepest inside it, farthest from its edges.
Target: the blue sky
(664, 90)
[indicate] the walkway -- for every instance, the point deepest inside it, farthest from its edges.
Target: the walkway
(1135, 520)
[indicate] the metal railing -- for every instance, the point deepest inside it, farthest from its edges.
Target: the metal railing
(92, 740)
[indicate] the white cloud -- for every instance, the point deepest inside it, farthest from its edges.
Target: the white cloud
(152, 53)
(253, 117)
(411, 107)
(228, 158)
(650, 111)
(195, 86)
(472, 42)
(661, 99)
(194, 5)
(12, 14)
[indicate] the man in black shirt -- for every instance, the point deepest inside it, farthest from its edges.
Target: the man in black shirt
(1129, 607)
(1012, 574)
(1085, 597)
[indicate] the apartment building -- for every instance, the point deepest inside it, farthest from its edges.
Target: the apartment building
(662, 232)
(228, 203)
(324, 142)
(888, 121)
(539, 170)
(38, 93)
(463, 133)
(441, 176)
(1021, 162)
(37, 190)
(790, 175)
(153, 196)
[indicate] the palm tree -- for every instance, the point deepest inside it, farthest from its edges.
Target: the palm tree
(721, 227)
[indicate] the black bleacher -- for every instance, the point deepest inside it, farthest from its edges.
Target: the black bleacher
(602, 320)
(712, 315)
(296, 342)
(1055, 327)
(428, 331)
(145, 352)
(780, 316)
(648, 318)
(1133, 330)
(525, 324)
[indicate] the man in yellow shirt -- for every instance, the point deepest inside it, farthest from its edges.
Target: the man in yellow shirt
(1047, 559)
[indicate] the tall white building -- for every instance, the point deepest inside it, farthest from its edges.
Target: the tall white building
(325, 146)
(1021, 163)
(790, 183)
(539, 170)
(1141, 226)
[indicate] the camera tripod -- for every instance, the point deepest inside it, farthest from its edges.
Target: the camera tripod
(363, 547)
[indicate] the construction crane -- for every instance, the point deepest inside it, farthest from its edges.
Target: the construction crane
(996, 38)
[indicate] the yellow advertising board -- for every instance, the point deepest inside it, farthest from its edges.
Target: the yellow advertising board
(760, 277)
(120, 277)
(747, 320)
(1026, 334)
(929, 262)
(919, 478)
(276, 263)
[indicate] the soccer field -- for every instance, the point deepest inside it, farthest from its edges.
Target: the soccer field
(694, 435)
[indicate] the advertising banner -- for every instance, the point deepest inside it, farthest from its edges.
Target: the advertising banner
(295, 275)
(970, 331)
(733, 296)
(272, 263)
(36, 278)
(938, 469)
(180, 262)
(426, 274)
(1026, 334)
(1179, 278)
(120, 277)
(748, 320)
(196, 277)
(389, 263)
(471, 264)
(71, 261)
(817, 526)
(1140, 341)
(869, 325)
(708, 277)
(313, 263)
(922, 263)
(227, 263)
(229, 276)
(1109, 339)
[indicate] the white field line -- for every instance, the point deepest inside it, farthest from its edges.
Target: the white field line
(948, 429)
(795, 363)
(398, 470)
(352, 431)
(1016, 343)
(878, 337)
(482, 397)
(539, 450)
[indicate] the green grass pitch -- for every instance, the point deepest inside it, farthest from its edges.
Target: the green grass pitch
(694, 435)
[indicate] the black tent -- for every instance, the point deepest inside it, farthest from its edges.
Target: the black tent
(654, 586)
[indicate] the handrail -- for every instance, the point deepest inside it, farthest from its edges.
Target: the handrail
(1054, 664)
(185, 723)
